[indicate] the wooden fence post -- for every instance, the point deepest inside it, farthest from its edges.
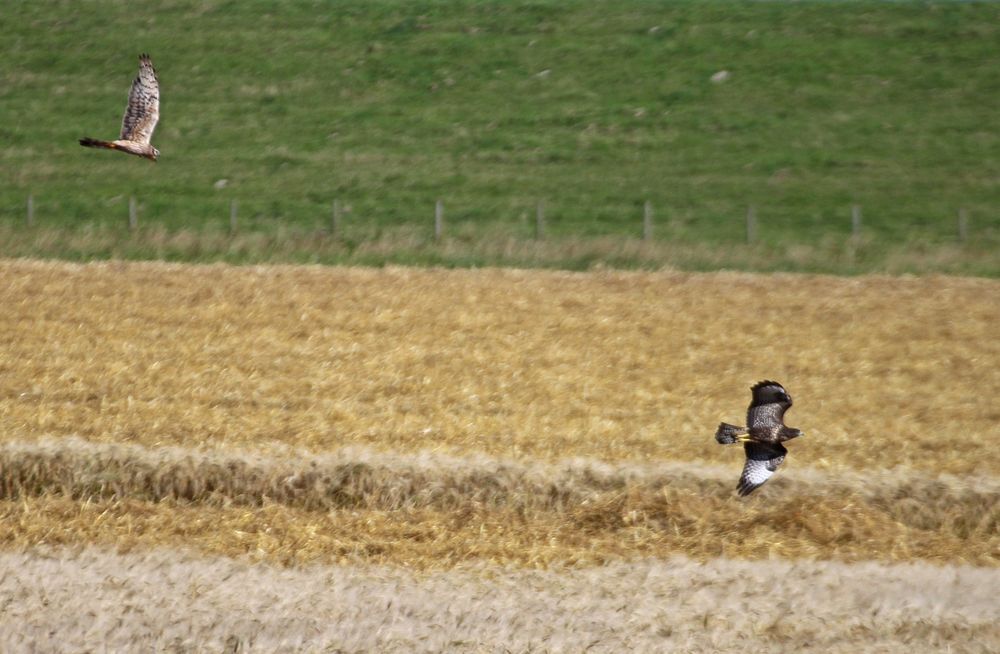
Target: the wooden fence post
(751, 224)
(963, 225)
(438, 220)
(133, 214)
(234, 208)
(31, 210)
(540, 220)
(647, 221)
(855, 222)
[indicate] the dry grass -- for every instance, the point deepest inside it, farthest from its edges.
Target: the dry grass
(432, 512)
(477, 245)
(469, 424)
(614, 366)
(167, 601)
(427, 418)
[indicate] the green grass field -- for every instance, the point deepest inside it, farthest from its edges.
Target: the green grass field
(592, 107)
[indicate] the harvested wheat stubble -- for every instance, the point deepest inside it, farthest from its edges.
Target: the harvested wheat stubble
(433, 510)
(616, 366)
(168, 599)
(893, 377)
(358, 477)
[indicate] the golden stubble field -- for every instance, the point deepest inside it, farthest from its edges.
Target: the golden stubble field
(316, 459)
(542, 365)
(430, 417)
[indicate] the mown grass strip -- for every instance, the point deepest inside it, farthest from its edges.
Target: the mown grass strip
(495, 245)
(151, 599)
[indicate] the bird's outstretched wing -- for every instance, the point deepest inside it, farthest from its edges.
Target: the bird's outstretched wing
(766, 412)
(762, 460)
(143, 108)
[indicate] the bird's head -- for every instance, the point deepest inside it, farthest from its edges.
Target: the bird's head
(153, 155)
(770, 392)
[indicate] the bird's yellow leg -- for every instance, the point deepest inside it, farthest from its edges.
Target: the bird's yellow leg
(744, 438)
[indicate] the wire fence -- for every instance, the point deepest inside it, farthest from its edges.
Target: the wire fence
(538, 220)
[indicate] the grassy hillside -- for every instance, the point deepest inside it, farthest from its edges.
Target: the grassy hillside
(592, 107)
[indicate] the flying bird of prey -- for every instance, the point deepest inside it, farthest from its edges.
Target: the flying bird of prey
(763, 436)
(141, 114)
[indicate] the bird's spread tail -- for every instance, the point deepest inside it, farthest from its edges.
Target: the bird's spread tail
(726, 434)
(96, 143)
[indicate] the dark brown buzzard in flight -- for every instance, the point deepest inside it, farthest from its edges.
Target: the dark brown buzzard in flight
(763, 436)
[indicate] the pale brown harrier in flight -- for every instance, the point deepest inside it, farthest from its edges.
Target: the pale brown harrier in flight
(763, 435)
(141, 114)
